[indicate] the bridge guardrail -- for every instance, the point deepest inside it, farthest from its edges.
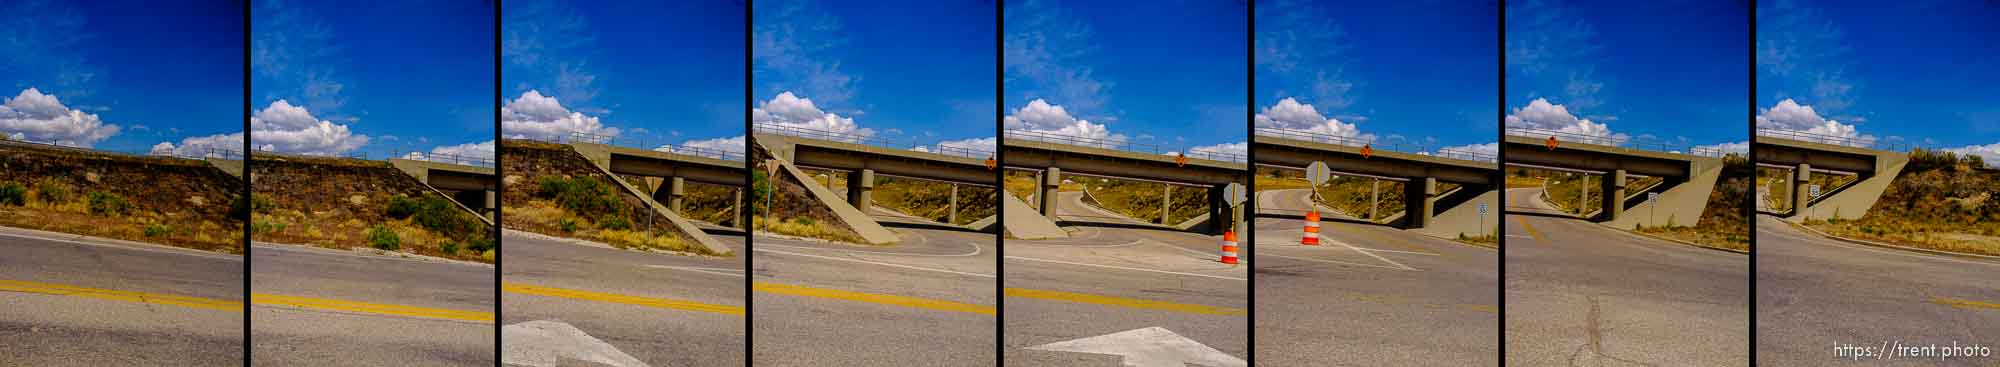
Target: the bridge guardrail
(870, 140)
(648, 144)
(204, 153)
(458, 159)
(1406, 147)
(1620, 141)
(1856, 142)
(1124, 145)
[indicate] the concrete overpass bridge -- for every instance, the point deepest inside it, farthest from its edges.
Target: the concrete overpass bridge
(1806, 155)
(469, 180)
(1433, 212)
(667, 173)
(1687, 174)
(864, 158)
(1052, 157)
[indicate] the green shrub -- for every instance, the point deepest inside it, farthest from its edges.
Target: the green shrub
(434, 213)
(53, 191)
(402, 207)
(156, 230)
(449, 248)
(613, 222)
(582, 195)
(567, 224)
(479, 245)
(382, 238)
(13, 193)
(104, 203)
(261, 226)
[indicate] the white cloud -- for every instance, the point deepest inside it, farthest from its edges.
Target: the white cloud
(1741, 147)
(987, 145)
(1542, 115)
(1239, 149)
(468, 153)
(202, 146)
(38, 117)
(535, 116)
(1990, 152)
(1041, 117)
(733, 145)
(787, 109)
(1289, 114)
(1789, 115)
(1488, 149)
(282, 127)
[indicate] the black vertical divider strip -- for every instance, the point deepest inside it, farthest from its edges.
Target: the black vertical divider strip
(246, 183)
(1000, 179)
(1500, 154)
(500, 192)
(1249, 178)
(747, 216)
(1750, 137)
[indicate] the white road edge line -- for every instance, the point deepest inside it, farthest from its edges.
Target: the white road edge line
(716, 271)
(976, 250)
(1126, 268)
(878, 263)
(147, 247)
(1371, 254)
(1337, 262)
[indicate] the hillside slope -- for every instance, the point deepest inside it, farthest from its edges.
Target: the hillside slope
(1940, 201)
(348, 203)
(170, 201)
(552, 190)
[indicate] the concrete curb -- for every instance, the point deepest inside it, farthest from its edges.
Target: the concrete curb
(372, 253)
(1892, 247)
(588, 243)
(1674, 240)
(101, 241)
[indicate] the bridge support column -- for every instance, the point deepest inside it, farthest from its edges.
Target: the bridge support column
(1374, 198)
(1417, 204)
(1801, 198)
(490, 207)
(1614, 195)
(859, 183)
(676, 193)
(1046, 198)
(951, 217)
(1166, 203)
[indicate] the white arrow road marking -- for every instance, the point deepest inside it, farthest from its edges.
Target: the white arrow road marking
(717, 271)
(1148, 347)
(543, 343)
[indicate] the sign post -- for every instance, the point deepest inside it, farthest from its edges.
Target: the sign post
(1653, 206)
(1482, 218)
(770, 177)
(1234, 195)
(1812, 192)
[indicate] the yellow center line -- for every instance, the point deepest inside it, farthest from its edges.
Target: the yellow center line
(620, 298)
(372, 308)
(872, 298)
(117, 295)
(1121, 302)
(1965, 304)
(1531, 229)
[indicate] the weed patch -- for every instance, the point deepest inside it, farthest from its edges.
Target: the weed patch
(108, 204)
(13, 193)
(382, 238)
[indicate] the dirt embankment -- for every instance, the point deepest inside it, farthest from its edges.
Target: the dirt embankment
(1141, 200)
(552, 190)
(1940, 201)
(170, 201)
(347, 203)
(1724, 222)
(793, 211)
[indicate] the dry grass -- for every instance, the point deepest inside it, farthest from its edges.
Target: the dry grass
(1724, 222)
(808, 228)
(1940, 201)
(333, 203)
(175, 202)
(1141, 200)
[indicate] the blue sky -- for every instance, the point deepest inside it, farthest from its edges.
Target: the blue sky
(915, 73)
(1172, 74)
(1920, 73)
(650, 73)
(374, 78)
(121, 75)
(1672, 72)
(1417, 75)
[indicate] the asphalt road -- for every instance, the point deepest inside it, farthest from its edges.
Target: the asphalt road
(636, 302)
(1106, 280)
(67, 300)
(1814, 293)
(927, 300)
(1370, 295)
(1578, 293)
(342, 308)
